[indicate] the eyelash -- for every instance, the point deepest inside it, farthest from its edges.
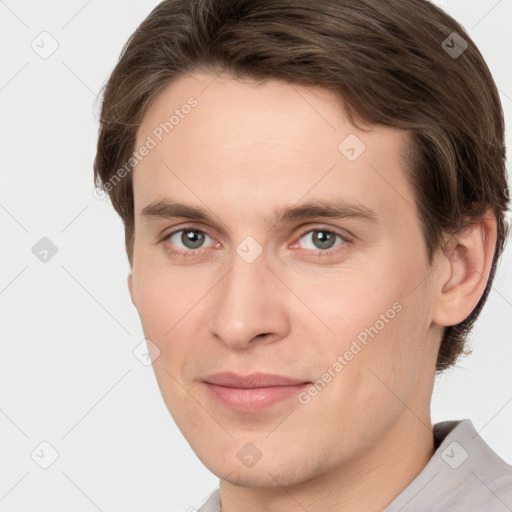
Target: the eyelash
(319, 253)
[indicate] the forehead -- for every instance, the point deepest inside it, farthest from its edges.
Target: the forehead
(254, 143)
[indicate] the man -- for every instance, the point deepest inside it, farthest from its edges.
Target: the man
(314, 194)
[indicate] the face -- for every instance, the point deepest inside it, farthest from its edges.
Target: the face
(280, 273)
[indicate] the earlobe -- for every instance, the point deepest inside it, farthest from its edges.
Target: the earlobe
(469, 256)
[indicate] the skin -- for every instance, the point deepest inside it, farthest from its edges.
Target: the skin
(245, 151)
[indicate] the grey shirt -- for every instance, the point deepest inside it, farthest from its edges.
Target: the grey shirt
(464, 475)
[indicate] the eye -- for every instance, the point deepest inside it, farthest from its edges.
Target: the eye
(321, 240)
(187, 240)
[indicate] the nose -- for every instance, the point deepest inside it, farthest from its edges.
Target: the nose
(248, 306)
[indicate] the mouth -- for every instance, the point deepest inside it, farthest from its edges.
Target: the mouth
(252, 393)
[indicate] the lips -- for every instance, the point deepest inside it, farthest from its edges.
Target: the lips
(254, 392)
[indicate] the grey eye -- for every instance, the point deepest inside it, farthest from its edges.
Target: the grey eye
(188, 238)
(322, 239)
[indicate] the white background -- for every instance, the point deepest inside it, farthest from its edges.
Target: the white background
(67, 372)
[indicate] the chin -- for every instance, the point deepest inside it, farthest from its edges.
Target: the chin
(259, 480)
(261, 477)
(269, 472)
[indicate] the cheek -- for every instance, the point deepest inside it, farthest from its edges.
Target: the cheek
(163, 297)
(391, 363)
(356, 306)
(162, 314)
(375, 378)
(380, 321)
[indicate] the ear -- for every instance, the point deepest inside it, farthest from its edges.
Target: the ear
(130, 287)
(469, 258)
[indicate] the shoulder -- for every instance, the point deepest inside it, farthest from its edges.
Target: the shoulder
(476, 477)
(464, 475)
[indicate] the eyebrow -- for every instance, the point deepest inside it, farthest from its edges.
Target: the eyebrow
(168, 209)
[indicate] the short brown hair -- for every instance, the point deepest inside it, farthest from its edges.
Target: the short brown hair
(388, 63)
